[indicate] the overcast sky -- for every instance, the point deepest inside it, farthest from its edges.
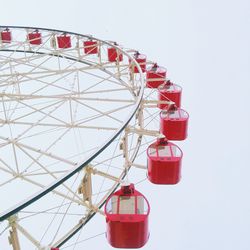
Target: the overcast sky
(205, 45)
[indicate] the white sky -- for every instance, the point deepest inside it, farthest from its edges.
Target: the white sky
(205, 46)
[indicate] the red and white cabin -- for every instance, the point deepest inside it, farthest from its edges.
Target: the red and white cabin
(90, 47)
(64, 41)
(169, 92)
(164, 162)
(35, 38)
(114, 55)
(156, 76)
(127, 212)
(174, 123)
(6, 36)
(141, 59)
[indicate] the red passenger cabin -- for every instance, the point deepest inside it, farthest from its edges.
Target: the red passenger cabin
(6, 36)
(127, 212)
(174, 123)
(35, 38)
(114, 55)
(141, 60)
(64, 41)
(90, 47)
(169, 92)
(156, 76)
(164, 162)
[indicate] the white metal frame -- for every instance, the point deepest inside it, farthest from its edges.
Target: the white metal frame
(118, 74)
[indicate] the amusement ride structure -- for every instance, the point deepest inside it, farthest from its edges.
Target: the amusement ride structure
(79, 118)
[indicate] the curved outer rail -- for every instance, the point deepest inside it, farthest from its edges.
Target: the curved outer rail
(79, 167)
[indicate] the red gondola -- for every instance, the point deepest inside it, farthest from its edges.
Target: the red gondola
(169, 92)
(174, 123)
(127, 212)
(90, 47)
(164, 162)
(141, 59)
(114, 55)
(156, 76)
(64, 41)
(35, 38)
(6, 36)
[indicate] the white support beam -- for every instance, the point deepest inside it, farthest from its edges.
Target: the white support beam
(29, 236)
(13, 238)
(140, 131)
(137, 165)
(85, 187)
(57, 125)
(103, 174)
(155, 103)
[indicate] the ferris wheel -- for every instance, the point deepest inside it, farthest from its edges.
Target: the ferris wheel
(82, 122)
